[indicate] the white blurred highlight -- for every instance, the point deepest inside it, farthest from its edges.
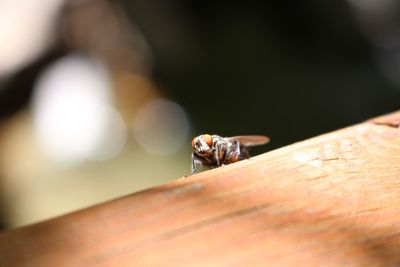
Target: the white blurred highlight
(73, 115)
(161, 127)
(26, 27)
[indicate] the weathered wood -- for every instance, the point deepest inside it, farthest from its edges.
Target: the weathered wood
(333, 200)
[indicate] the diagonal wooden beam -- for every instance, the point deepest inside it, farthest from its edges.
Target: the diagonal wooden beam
(333, 200)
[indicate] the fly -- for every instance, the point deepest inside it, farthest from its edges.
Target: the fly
(214, 151)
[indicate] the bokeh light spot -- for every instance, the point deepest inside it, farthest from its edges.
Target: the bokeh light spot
(73, 114)
(161, 127)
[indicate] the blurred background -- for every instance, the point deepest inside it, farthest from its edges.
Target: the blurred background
(99, 99)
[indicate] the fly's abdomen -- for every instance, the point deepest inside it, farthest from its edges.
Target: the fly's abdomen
(236, 152)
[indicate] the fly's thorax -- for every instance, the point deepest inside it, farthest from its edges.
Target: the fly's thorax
(220, 148)
(218, 139)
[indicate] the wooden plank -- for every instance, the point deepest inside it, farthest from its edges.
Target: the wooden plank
(333, 200)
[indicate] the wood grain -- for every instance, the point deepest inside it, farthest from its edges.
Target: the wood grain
(333, 200)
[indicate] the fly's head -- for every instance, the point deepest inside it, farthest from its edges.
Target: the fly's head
(202, 145)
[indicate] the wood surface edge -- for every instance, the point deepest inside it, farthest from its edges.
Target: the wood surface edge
(389, 119)
(17, 236)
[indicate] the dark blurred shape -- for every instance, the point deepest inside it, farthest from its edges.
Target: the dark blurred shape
(290, 71)
(16, 91)
(102, 29)
(380, 23)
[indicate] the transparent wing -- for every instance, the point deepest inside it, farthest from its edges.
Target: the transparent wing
(251, 140)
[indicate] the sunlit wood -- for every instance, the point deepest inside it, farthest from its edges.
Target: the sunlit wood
(333, 200)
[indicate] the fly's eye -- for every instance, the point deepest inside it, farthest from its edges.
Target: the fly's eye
(208, 139)
(194, 141)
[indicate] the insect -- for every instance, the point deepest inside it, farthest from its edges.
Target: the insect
(214, 151)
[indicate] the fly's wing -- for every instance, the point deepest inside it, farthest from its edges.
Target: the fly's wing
(251, 140)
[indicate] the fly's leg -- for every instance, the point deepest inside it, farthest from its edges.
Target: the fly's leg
(238, 152)
(193, 171)
(217, 154)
